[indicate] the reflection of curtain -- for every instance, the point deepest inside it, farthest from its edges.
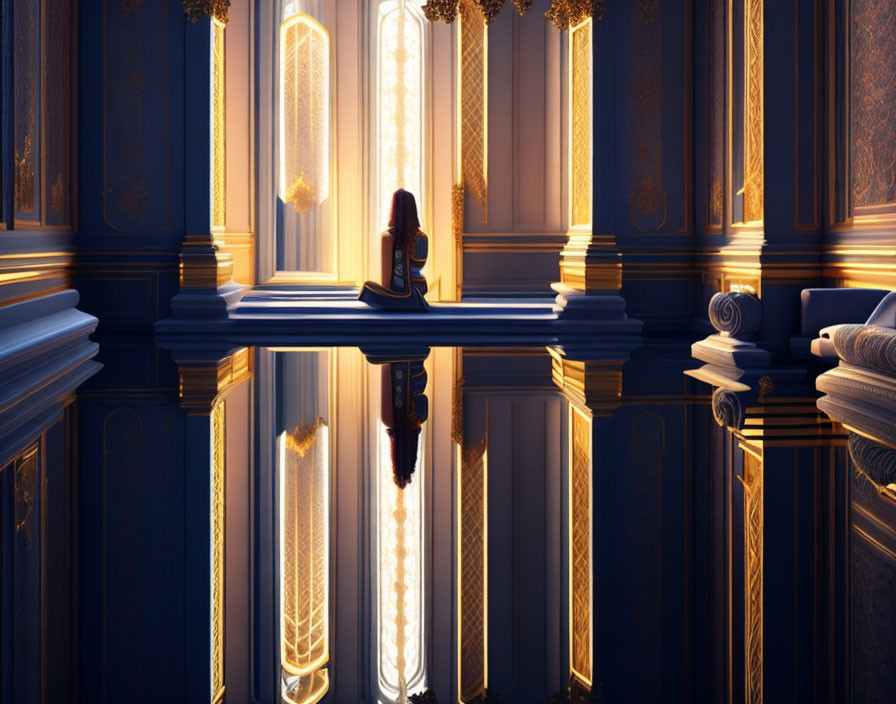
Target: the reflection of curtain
(304, 486)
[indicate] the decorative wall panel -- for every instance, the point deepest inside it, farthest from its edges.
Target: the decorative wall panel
(581, 654)
(472, 581)
(473, 102)
(217, 551)
(753, 111)
(647, 199)
(219, 128)
(26, 17)
(581, 123)
(716, 114)
(873, 97)
(753, 567)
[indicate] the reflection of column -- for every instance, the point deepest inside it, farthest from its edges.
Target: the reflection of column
(592, 382)
(204, 382)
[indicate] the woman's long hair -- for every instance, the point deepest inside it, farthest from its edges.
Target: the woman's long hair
(403, 221)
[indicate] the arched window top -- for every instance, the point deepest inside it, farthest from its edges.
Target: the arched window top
(304, 112)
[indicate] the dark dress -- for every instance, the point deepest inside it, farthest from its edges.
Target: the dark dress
(407, 285)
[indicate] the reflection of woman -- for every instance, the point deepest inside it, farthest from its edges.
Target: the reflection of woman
(404, 409)
(404, 252)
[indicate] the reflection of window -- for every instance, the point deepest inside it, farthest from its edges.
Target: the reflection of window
(304, 186)
(399, 108)
(580, 149)
(304, 565)
(401, 665)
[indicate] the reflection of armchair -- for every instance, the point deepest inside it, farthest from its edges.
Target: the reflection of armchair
(861, 390)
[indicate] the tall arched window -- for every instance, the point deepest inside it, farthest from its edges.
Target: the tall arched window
(304, 241)
(399, 153)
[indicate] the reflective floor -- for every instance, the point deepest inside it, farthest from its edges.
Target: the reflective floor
(477, 524)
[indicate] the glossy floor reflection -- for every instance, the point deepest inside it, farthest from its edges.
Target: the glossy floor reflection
(376, 524)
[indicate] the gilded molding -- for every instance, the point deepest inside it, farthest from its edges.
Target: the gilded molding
(201, 386)
(753, 112)
(219, 129)
(753, 577)
(197, 9)
(217, 576)
(580, 551)
(473, 102)
(457, 213)
(203, 264)
(595, 385)
(581, 111)
(735, 313)
(472, 487)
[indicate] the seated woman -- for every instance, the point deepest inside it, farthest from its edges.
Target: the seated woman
(404, 252)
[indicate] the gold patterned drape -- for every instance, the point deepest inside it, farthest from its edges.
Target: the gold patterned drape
(581, 122)
(304, 566)
(580, 550)
(472, 617)
(753, 111)
(304, 112)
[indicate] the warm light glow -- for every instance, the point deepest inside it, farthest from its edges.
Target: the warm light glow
(400, 98)
(219, 174)
(304, 465)
(400, 586)
(581, 641)
(304, 113)
(753, 112)
(581, 125)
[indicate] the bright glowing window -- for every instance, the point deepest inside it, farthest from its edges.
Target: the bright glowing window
(581, 124)
(304, 562)
(304, 237)
(401, 665)
(399, 105)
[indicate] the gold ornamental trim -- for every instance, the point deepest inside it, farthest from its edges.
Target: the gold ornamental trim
(198, 9)
(201, 386)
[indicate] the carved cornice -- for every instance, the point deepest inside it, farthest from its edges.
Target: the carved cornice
(735, 313)
(197, 9)
(563, 13)
(874, 461)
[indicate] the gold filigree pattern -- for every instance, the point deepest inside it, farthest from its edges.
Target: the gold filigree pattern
(219, 127)
(217, 548)
(753, 112)
(472, 487)
(304, 566)
(57, 195)
(563, 13)
(457, 213)
(25, 486)
(474, 101)
(305, 113)
(873, 95)
(580, 552)
(715, 133)
(581, 117)
(197, 9)
(753, 565)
